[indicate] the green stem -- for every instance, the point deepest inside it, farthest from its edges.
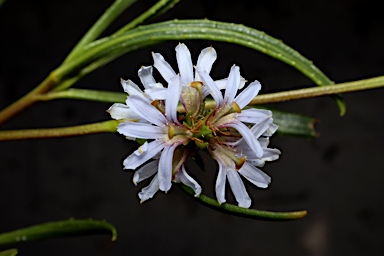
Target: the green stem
(101, 24)
(84, 94)
(249, 213)
(106, 126)
(365, 84)
(159, 8)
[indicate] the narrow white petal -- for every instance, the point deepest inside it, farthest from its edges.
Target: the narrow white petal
(238, 189)
(232, 85)
(261, 127)
(255, 175)
(163, 67)
(120, 111)
(141, 130)
(132, 89)
(149, 191)
(172, 99)
(271, 130)
(248, 94)
(145, 172)
(271, 154)
(205, 60)
(222, 83)
(146, 78)
(184, 62)
(146, 110)
(156, 93)
(253, 115)
(210, 84)
(183, 176)
(220, 184)
(134, 160)
(165, 167)
(248, 136)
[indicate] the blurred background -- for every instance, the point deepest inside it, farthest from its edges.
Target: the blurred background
(338, 177)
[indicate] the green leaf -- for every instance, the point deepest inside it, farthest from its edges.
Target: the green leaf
(58, 229)
(294, 124)
(197, 29)
(10, 252)
(244, 212)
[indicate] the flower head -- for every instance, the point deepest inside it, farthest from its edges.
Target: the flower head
(237, 138)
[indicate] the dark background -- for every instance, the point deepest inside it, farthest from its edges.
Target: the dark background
(337, 177)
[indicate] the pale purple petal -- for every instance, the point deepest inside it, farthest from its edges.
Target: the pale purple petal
(163, 67)
(165, 167)
(183, 176)
(220, 184)
(248, 136)
(232, 85)
(132, 89)
(134, 160)
(253, 115)
(271, 130)
(205, 60)
(146, 78)
(271, 154)
(172, 100)
(248, 94)
(145, 172)
(149, 191)
(210, 84)
(255, 175)
(141, 130)
(146, 110)
(184, 62)
(120, 111)
(261, 127)
(156, 93)
(238, 189)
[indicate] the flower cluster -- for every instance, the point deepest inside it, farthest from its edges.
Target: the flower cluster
(175, 121)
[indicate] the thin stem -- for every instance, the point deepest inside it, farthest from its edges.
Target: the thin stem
(101, 24)
(360, 85)
(84, 94)
(106, 126)
(249, 213)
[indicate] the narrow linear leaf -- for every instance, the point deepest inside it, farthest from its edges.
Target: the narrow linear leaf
(10, 252)
(244, 212)
(58, 229)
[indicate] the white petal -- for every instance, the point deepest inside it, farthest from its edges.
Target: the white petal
(248, 94)
(141, 130)
(163, 67)
(132, 89)
(259, 128)
(210, 84)
(184, 63)
(134, 160)
(220, 184)
(238, 189)
(232, 85)
(248, 136)
(255, 175)
(253, 115)
(145, 172)
(156, 93)
(165, 167)
(120, 111)
(271, 130)
(183, 176)
(146, 110)
(205, 60)
(222, 83)
(271, 154)
(146, 78)
(172, 100)
(148, 192)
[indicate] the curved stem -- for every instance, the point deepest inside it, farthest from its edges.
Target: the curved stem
(249, 213)
(106, 126)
